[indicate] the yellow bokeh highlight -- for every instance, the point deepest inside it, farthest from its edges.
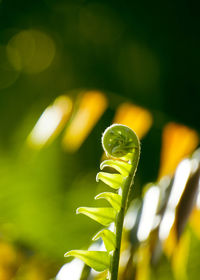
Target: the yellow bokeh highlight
(31, 51)
(51, 122)
(195, 221)
(171, 241)
(92, 105)
(180, 257)
(135, 117)
(178, 141)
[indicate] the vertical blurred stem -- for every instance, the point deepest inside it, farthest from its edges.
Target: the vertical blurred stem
(85, 272)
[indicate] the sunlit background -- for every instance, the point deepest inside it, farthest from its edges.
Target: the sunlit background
(68, 69)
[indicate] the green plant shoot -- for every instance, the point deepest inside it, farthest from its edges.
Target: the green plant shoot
(122, 146)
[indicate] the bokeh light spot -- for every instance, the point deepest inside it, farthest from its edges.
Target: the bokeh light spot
(91, 106)
(31, 51)
(51, 122)
(137, 118)
(151, 200)
(178, 141)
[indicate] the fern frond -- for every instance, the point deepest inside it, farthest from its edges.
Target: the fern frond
(121, 144)
(108, 238)
(113, 198)
(98, 260)
(102, 215)
(114, 181)
(122, 167)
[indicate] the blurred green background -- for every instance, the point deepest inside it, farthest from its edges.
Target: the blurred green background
(143, 52)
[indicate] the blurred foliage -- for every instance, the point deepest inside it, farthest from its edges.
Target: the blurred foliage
(142, 53)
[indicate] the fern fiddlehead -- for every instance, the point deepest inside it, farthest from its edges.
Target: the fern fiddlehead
(122, 146)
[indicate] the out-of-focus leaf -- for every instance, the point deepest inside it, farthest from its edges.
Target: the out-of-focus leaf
(115, 181)
(108, 237)
(91, 106)
(98, 260)
(102, 215)
(143, 263)
(178, 141)
(195, 221)
(121, 166)
(113, 198)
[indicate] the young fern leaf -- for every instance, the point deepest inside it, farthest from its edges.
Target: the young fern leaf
(113, 198)
(122, 167)
(98, 260)
(102, 215)
(114, 181)
(121, 144)
(108, 238)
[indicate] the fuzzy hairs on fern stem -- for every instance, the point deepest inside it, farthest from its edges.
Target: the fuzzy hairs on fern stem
(119, 141)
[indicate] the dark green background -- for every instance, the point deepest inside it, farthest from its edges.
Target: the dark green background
(140, 51)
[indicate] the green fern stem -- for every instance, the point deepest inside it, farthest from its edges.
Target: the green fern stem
(120, 217)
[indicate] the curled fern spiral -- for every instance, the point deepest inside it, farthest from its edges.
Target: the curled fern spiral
(119, 140)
